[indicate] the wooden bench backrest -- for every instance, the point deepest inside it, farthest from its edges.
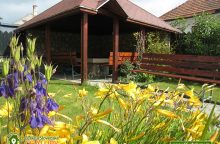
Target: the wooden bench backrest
(197, 66)
(123, 56)
(64, 58)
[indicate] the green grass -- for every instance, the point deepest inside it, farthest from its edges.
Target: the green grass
(71, 103)
(172, 84)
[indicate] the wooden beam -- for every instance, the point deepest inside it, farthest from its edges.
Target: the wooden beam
(48, 43)
(115, 49)
(84, 47)
(143, 34)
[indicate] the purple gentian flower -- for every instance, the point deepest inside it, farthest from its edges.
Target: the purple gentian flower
(52, 105)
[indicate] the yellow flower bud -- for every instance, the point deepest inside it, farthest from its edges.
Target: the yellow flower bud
(83, 93)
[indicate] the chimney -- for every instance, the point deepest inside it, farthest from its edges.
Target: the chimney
(34, 10)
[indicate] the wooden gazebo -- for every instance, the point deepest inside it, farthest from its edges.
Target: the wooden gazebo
(99, 17)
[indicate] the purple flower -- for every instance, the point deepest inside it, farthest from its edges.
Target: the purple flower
(42, 78)
(40, 90)
(3, 90)
(28, 77)
(52, 105)
(6, 91)
(38, 120)
(13, 80)
(33, 122)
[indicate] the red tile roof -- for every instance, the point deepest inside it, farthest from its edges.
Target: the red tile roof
(133, 12)
(192, 7)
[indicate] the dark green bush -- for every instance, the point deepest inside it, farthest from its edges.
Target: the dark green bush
(204, 38)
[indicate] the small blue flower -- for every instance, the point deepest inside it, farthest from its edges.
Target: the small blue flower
(6, 91)
(28, 77)
(38, 120)
(40, 90)
(52, 105)
(13, 80)
(33, 122)
(3, 90)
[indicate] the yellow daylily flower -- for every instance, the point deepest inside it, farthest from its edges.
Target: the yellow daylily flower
(136, 137)
(123, 104)
(214, 136)
(181, 86)
(130, 88)
(86, 140)
(150, 88)
(167, 113)
(93, 111)
(108, 124)
(160, 125)
(59, 125)
(67, 95)
(51, 94)
(6, 109)
(113, 141)
(102, 92)
(44, 130)
(83, 93)
(195, 101)
(51, 113)
(190, 93)
(102, 114)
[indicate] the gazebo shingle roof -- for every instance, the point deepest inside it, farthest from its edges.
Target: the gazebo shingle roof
(133, 12)
(192, 7)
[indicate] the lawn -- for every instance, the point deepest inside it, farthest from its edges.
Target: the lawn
(67, 93)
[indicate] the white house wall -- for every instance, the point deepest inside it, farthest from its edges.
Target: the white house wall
(190, 23)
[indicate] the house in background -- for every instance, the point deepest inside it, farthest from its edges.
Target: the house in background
(191, 8)
(27, 17)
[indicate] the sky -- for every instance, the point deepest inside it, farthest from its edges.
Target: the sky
(13, 10)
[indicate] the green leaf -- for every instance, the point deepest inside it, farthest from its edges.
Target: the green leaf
(205, 131)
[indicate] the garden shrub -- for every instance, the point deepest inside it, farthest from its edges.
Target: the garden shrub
(204, 38)
(144, 77)
(158, 43)
(127, 75)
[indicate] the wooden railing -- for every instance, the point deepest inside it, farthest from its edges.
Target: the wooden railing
(190, 67)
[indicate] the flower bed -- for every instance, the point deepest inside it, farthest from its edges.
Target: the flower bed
(122, 113)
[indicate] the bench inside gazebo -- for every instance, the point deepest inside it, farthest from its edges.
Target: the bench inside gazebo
(88, 32)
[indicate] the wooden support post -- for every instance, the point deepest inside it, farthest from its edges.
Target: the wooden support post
(84, 47)
(115, 49)
(48, 43)
(143, 34)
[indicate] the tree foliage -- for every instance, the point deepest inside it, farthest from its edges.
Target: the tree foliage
(204, 38)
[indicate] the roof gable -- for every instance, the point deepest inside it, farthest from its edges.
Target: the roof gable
(191, 8)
